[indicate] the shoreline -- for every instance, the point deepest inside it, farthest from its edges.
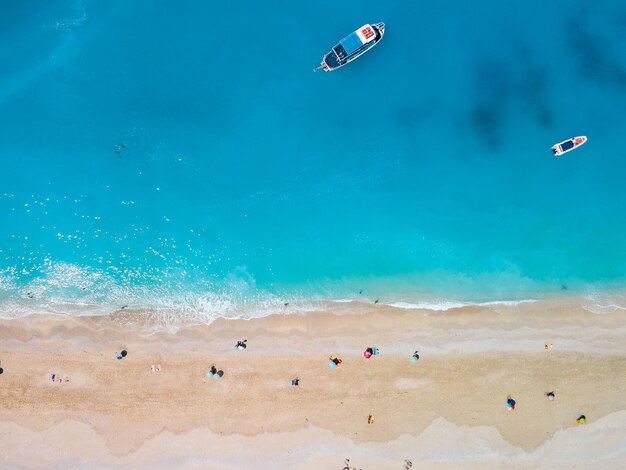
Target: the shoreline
(173, 318)
(471, 359)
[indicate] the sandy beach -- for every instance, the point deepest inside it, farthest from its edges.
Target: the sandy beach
(448, 410)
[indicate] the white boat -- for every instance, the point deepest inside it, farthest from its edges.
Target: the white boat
(352, 46)
(568, 145)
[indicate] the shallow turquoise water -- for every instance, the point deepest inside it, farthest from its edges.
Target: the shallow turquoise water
(421, 171)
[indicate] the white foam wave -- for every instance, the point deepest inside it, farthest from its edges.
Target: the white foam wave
(603, 303)
(169, 299)
(444, 305)
(164, 300)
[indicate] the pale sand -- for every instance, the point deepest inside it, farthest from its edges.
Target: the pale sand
(446, 411)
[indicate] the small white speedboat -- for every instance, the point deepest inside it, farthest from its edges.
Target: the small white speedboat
(568, 145)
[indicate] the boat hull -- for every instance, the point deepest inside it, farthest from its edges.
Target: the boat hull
(568, 145)
(332, 61)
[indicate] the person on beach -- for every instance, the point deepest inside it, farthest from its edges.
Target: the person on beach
(213, 372)
(415, 357)
(550, 396)
(582, 419)
(241, 344)
(510, 404)
(334, 362)
(370, 419)
(369, 352)
(295, 382)
(547, 346)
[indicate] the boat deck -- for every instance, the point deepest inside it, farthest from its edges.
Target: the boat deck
(331, 60)
(352, 46)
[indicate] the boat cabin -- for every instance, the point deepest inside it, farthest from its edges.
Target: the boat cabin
(351, 44)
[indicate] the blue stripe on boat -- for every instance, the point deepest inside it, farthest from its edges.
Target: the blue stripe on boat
(351, 43)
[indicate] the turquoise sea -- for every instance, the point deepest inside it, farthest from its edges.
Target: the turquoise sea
(184, 156)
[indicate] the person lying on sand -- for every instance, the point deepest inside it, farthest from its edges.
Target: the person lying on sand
(334, 361)
(213, 372)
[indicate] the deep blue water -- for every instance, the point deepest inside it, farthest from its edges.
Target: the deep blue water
(154, 153)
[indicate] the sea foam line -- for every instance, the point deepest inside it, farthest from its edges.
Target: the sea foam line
(444, 305)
